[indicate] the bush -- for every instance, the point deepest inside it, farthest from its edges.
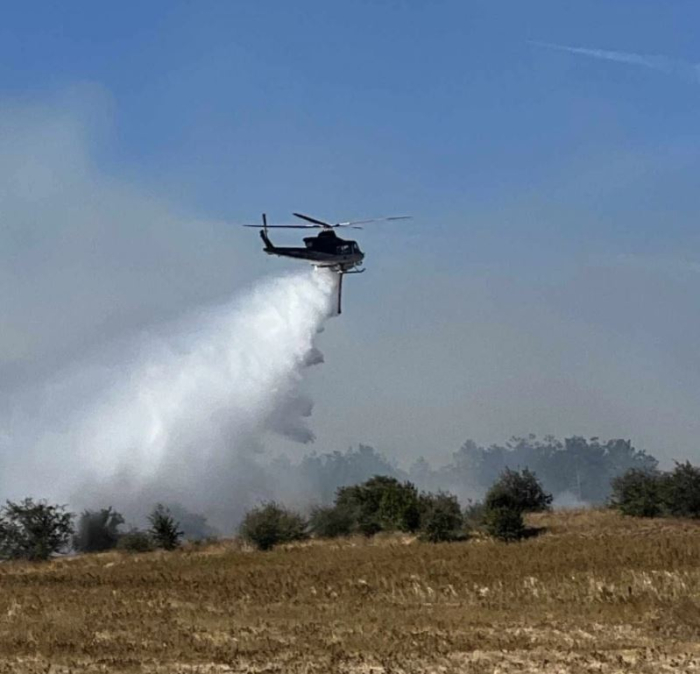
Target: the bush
(639, 493)
(97, 530)
(164, 529)
(331, 522)
(271, 524)
(518, 490)
(381, 504)
(681, 491)
(505, 524)
(135, 541)
(34, 531)
(442, 518)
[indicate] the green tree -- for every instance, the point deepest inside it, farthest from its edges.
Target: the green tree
(505, 523)
(271, 524)
(682, 491)
(331, 521)
(518, 490)
(164, 529)
(639, 493)
(97, 530)
(34, 530)
(381, 504)
(441, 519)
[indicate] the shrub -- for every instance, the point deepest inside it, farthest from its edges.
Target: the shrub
(135, 541)
(164, 529)
(442, 518)
(518, 490)
(33, 531)
(97, 530)
(681, 491)
(331, 522)
(271, 524)
(381, 504)
(639, 493)
(505, 524)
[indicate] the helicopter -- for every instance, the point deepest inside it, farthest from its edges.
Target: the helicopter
(326, 250)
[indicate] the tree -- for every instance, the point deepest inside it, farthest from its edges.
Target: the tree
(638, 493)
(681, 490)
(518, 490)
(441, 518)
(97, 530)
(514, 493)
(578, 466)
(34, 530)
(331, 521)
(271, 524)
(505, 523)
(381, 504)
(164, 529)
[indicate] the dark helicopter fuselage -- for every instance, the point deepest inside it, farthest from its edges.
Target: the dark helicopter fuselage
(324, 250)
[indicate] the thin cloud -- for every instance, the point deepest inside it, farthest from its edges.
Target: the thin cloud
(665, 64)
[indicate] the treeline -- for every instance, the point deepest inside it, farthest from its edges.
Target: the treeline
(575, 470)
(385, 504)
(652, 493)
(36, 531)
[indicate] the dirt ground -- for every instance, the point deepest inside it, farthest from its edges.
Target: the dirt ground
(595, 593)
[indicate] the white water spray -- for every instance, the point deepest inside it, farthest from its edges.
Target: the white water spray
(180, 415)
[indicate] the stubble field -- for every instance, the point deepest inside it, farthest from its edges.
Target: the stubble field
(595, 593)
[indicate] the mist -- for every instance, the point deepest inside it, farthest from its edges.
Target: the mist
(179, 413)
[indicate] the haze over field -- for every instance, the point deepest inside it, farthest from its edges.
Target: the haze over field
(548, 282)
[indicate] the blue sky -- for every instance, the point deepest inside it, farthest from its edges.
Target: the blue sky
(445, 109)
(553, 193)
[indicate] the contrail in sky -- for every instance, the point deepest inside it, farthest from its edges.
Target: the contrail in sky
(665, 64)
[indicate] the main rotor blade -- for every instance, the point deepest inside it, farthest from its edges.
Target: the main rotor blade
(284, 226)
(310, 219)
(363, 222)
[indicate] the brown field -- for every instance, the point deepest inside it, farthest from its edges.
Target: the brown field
(595, 593)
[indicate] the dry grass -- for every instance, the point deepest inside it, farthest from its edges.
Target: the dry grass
(596, 593)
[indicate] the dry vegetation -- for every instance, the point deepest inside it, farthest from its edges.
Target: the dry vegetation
(595, 593)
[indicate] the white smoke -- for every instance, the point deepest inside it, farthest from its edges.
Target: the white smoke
(180, 413)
